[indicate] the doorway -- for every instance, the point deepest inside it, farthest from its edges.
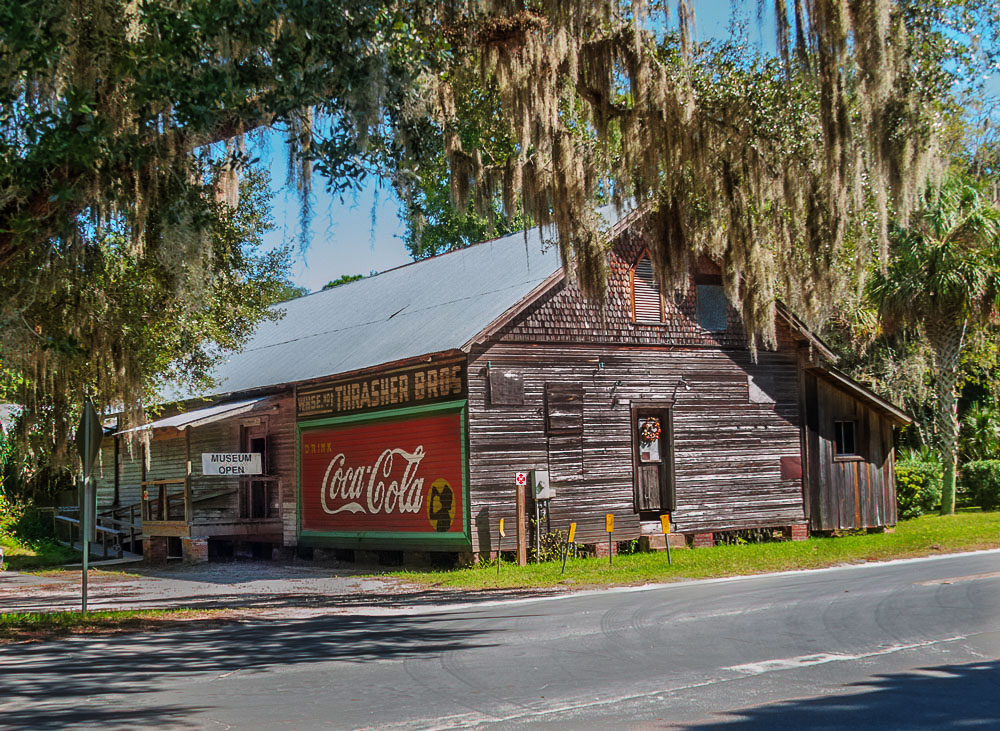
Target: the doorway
(653, 458)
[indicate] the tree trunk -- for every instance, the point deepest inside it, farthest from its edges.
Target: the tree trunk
(946, 342)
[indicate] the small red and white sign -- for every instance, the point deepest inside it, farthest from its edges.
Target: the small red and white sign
(521, 479)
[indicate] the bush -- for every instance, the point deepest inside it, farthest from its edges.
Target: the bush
(918, 487)
(982, 480)
(22, 521)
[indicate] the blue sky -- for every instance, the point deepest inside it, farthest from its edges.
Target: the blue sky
(342, 237)
(363, 232)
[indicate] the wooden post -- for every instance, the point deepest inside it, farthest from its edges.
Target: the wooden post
(142, 484)
(117, 474)
(522, 538)
(188, 511)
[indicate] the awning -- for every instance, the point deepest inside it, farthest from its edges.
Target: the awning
(199, 417)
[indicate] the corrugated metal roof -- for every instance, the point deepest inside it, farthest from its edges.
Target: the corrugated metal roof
(200, 417)
(429, 306)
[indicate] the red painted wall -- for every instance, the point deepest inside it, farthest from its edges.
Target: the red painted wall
(405, 475)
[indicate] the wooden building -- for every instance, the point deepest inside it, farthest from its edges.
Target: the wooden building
(394, 412)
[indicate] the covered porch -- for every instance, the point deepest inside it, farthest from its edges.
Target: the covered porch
(179, 501)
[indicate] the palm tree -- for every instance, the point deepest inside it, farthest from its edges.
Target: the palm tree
(980, 432)
(943, 277)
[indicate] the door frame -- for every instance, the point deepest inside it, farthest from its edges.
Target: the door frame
(668, 492)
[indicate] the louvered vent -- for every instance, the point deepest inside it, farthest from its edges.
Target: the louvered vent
(645, 293)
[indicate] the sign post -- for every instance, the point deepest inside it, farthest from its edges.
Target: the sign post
(500, 534)
(609, 526)
(88, 443)
(520, 483)
(569, 541)
(665, 522)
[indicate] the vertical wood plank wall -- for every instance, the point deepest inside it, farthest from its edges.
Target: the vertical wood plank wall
(848, 493)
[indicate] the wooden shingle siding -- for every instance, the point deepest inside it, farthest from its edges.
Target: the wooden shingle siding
(727, 451)
(564, 315)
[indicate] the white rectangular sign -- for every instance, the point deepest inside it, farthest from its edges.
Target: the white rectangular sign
(228, 464)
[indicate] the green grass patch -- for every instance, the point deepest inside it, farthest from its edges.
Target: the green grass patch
(927, 535)
(34, 626)
(22, 555)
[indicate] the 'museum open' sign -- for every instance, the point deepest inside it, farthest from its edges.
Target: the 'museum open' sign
(228, 464)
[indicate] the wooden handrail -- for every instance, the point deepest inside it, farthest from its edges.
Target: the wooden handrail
(100, 528)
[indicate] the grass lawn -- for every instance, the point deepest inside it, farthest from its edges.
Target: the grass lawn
(928, 535)
(35, 626)
(34, 555)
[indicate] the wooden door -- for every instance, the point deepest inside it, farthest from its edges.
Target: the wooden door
(256, 493)
(652, 459)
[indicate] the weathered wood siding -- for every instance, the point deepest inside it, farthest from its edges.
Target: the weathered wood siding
(727, 451)
(847, 492)
(168, 456)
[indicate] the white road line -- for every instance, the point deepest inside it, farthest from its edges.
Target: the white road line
(802, 661)
(476, 718)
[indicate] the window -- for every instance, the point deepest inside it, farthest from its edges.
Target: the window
(647, 306)
(712, 308)
(506, 388)
(843, 436)
(564, 408)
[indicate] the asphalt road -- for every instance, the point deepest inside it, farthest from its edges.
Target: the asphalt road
(904, 645)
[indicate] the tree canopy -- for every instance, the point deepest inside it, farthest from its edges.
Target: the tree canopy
(129, 124)
(943, 277)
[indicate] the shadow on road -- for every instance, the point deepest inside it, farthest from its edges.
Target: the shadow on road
(67, 672)
(942, 697)
(354, 600)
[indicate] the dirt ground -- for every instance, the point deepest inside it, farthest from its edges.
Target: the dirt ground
(286, 589)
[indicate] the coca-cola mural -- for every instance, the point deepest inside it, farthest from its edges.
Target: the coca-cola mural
(401, 475)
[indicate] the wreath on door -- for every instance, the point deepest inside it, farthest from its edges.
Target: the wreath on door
(650, 430)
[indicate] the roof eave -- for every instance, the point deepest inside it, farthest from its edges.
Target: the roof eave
(514, 310)
(893, 412)
(802, 329)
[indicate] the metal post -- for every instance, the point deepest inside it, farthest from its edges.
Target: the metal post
(609, 549)
(538, 535)
(85, 540)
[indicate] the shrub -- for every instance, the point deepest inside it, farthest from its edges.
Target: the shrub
(918, 487)
(982, 480)
(22, 521)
